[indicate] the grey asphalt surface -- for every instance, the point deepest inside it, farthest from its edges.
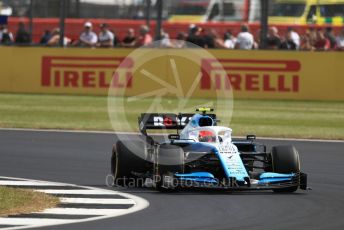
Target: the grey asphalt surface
(84, 159)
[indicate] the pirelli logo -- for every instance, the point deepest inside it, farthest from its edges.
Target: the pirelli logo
(86, 72)
(250, 75)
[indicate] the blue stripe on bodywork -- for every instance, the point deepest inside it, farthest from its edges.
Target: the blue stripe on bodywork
(196, 174)
(201, 177)
(275, 175)
(199, 180)
(270, 177)
(271, 180)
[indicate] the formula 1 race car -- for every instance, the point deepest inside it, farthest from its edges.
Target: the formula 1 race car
(203, 155)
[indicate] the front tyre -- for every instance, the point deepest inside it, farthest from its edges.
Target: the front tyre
(285, 159)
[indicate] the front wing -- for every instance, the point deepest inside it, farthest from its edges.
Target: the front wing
(206, 180)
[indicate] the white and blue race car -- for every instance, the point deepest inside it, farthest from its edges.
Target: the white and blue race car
(203, 155)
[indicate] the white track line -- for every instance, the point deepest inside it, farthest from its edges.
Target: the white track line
(96, 201)
(27, 183)
(82, 211)
(77, 191)
(296, 139)
(31, 221)
(64, 131)
(137, 203)
(157, 134)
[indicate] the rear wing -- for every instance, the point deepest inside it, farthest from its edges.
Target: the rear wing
(165, 121)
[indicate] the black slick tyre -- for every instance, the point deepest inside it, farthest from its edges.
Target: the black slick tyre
(285, 159)
(128, 159)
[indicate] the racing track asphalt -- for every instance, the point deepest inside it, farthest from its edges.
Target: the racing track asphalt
(84, 159)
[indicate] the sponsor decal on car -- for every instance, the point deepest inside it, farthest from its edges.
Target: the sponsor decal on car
(170, 121)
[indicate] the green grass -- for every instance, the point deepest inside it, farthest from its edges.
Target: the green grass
(273, 118)
(14, 201)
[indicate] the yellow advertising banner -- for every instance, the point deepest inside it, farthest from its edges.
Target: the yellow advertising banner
(173, 72)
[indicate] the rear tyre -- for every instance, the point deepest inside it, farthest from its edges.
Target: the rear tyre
(125, 162)
(285, 159)
(170, 161)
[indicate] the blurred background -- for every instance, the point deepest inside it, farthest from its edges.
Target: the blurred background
(292, 88)
(201, 10)
(175, 17)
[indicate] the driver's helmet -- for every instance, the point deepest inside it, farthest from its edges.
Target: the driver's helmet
(206, 136)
